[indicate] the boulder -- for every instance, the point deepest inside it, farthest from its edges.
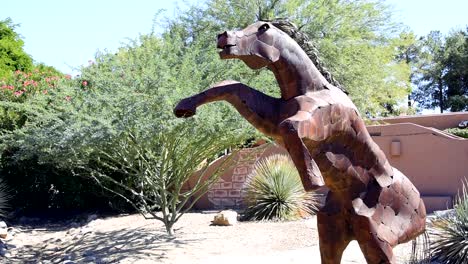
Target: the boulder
(225, 218)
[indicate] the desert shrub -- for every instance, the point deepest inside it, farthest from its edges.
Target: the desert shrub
(44, 188)
(274, 191)
(461, 132)
(450, 233)
(163, 175)
(4, 198)
(34, 108)
(21, 87)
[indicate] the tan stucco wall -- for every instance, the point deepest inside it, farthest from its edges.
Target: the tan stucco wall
(439, 121)
(436, 162)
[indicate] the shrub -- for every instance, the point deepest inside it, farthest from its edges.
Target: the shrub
(461, 132)
(274, 191)
(163, 175)
(450, 233)
(4, 198)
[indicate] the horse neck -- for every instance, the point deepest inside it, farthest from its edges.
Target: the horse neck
(296, 74)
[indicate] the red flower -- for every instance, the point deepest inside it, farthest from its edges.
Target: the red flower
(85, 83)
(68, 98)
(18, 93)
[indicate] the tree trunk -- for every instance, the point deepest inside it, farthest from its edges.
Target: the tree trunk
(441, 95)
(169, 229)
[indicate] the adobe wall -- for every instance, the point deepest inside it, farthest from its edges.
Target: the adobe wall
(439, 121)
(434, 161)
(227, 192)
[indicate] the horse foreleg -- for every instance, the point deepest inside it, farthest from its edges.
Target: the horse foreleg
(291, 130)
(256, 107)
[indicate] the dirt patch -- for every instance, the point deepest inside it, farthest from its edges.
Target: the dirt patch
(132, 239)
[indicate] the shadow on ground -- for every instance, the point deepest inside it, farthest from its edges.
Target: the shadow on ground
(110, 247)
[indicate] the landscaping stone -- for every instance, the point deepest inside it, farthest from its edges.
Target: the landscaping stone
(445, 213)
(89, 259)
(3, 252)
(225, 218)
(92, 217)
(86, 230)
(3, 233)
(74, 225)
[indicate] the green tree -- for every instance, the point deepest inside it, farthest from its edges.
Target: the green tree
(165, 174)
(456, 76)
(409, 51)
(356, 40)
(136, 88)
(442, 75)
(12, 55)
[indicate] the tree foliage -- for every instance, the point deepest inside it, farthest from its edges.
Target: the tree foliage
(12, 55)
(135, 89)
(164, 175)
(442, 75)
(357, 40)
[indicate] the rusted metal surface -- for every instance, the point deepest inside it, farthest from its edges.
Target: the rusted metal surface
(369, 201)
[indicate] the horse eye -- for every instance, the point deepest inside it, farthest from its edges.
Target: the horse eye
(264, 27)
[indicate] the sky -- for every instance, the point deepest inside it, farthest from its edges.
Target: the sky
(66, 34)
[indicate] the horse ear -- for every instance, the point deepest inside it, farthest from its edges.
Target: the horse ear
(266, 51)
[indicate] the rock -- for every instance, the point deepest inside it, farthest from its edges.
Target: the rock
(92, 217)
(3, 233)
(89, 259)
(3, 252)
(445, 213)
(225, 218)
(71, 231)
(12, 231)
(86, 230)
(3, 224)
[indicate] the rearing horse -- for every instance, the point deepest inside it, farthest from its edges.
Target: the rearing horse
(368, 200)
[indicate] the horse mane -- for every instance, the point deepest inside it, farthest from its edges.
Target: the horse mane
(307, 45)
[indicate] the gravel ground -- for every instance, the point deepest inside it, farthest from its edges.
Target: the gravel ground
(132, 239)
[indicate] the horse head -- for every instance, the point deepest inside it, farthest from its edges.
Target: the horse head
(257, 45)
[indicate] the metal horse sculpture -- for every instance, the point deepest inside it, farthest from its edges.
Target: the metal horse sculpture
(368, 200)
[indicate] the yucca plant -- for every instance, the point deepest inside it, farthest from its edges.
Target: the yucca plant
(450, 234)
(4, 198)
(274, 191)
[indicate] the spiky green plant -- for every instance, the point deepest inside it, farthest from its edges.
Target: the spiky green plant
(4, 198)
(450, 234)
(274, 191)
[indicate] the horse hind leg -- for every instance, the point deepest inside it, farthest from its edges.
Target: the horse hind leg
(375, 249)
(333, 237)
